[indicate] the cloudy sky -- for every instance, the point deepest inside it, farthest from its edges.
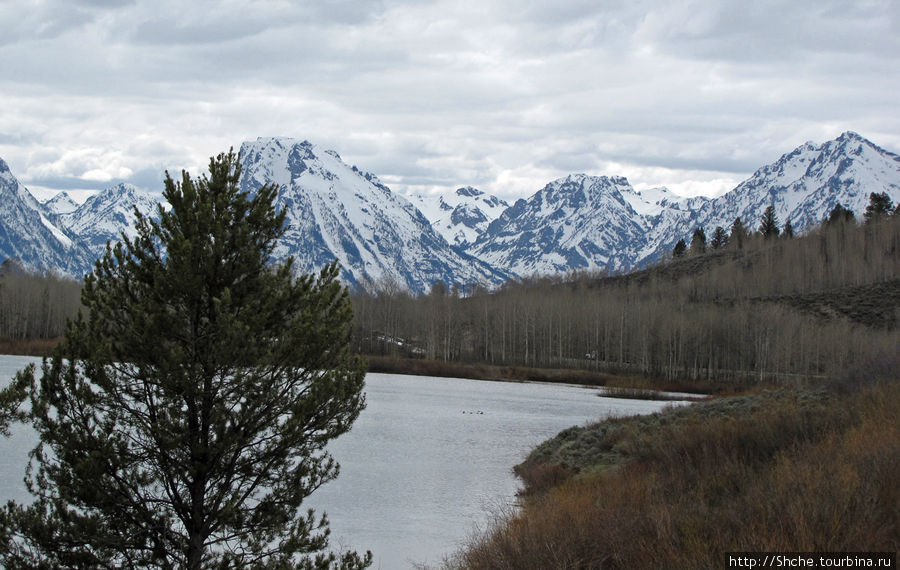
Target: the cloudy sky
(503, 95)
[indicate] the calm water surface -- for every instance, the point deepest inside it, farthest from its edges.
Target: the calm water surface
(426, 464)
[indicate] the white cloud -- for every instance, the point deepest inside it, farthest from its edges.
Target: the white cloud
(501, 95)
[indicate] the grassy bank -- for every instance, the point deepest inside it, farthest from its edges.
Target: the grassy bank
(29, 347)
(425, 367)
(776, 470)
(624, 383)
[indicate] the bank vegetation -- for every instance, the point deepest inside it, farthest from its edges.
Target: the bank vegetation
(34, 308)
(779, 470)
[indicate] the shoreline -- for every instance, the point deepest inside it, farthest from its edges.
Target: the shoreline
(611, 385)
(29, 347)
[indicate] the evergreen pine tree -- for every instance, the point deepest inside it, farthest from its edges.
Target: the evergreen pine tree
(183, 420)
(768, 227)
(788, 231)
(698, 242)
(680, 249)
(838, 215)
(11, 399)
(738, 234)
(719, 239)
(880, 206)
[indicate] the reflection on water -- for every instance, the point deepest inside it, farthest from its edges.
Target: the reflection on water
(426, 463)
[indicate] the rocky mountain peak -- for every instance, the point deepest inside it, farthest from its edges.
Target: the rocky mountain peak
(337, 211)
(62, 203)
(469, 192)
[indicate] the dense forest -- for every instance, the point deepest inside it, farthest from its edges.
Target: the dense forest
(752, 303)
(746, 306)
(35, 305)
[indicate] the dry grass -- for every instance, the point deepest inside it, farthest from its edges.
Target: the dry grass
(29, 347)
(776, 471)
(625, 386)
(425, 367)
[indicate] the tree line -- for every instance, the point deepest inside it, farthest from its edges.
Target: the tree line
(880, 207)
(723, 312)
(35, 305)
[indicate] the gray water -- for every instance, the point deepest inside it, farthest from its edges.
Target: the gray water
(427, 463)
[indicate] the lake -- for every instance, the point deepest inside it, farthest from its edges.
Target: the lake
(426, 464)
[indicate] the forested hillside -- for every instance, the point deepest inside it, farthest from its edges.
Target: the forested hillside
(751, 309)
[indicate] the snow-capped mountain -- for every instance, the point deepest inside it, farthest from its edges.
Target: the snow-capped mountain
(585, 222)
(461, 216)
(579, 222)
(805, 184)
(29, 234)
(62, 203)
(104, 216)
(335, 211)
(663, 211)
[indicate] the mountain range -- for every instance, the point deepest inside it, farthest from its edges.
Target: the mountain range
(384, 240)
(336, 211)
(598, 222)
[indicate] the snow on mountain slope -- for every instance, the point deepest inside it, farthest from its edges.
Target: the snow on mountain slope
(28, 232)
(335, 211)
(585, 222)
(462, 215)
(577, 222)
(807, 183)
(104, 216)
(62, 203)
(65, 240)
(653, 201)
